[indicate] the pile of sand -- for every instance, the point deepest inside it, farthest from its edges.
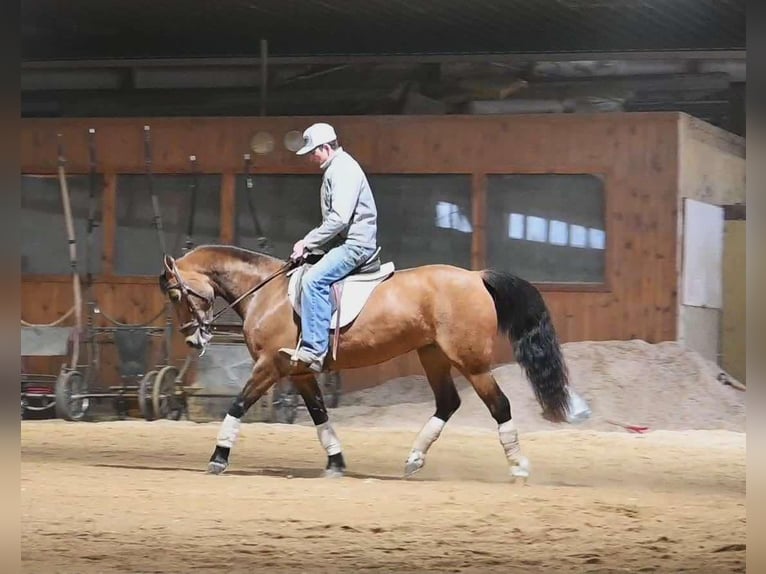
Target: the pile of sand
(662, 386)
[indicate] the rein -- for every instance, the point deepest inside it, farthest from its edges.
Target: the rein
(198, 318)
(286, 267)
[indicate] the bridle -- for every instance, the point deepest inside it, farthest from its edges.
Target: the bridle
(198, 316)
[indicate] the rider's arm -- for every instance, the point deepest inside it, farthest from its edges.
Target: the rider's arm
(345, 183)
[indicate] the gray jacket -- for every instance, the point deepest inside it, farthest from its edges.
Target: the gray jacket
(349, 213)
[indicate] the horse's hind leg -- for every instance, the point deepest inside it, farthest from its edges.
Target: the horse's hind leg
(264, 375)
(437, 367)
(312, 395)
(500, 408)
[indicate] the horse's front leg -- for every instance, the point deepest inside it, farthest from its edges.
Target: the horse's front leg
(264, 375)
(312, 395)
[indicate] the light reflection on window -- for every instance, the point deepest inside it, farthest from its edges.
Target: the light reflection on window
(596, 238)
(537, 229)
(554, 231)
(449, 216)
(516, 226)
(578, 235)
(558, 232)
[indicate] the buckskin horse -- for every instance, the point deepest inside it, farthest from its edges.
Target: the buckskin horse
(450, 316)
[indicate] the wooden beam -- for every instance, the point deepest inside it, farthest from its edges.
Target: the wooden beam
(228, 207)
(342, 59)
(109, 223)
(479, 219)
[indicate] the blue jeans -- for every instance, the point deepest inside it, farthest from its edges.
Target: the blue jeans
(316, 308)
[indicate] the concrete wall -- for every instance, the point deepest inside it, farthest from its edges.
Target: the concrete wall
(711, 169)
(734, 319)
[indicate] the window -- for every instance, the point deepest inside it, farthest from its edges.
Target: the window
(421, 218)
(424, 219)
(137, 249)
(44, 240)
(547, 228)
(282, 208)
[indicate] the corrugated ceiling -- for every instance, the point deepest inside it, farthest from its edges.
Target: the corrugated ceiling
(115, 29)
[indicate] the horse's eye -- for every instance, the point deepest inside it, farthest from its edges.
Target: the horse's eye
(174, 294)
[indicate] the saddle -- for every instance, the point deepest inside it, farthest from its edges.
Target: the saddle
(347, 296)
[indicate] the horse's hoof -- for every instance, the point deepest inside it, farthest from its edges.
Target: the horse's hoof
(415, 462)
(216, 467)
(578, 410)
(519, 472)
(519, 475)
(333, 472)
(411, 469)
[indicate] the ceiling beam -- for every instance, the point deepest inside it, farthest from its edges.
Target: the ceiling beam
(393, 58)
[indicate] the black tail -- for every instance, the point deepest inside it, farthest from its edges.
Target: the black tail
(524, 318)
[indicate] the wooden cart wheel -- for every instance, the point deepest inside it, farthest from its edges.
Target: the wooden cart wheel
(330, 384)
(68, 385)
(164, 400)
(145, 401)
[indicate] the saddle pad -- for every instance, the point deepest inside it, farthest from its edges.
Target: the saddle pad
(357, 289)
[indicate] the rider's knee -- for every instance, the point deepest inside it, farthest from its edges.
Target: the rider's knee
(312, 281)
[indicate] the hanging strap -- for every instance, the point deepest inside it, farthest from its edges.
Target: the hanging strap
(92, 223)
(150, 185)
(261, 239)
(189, 243)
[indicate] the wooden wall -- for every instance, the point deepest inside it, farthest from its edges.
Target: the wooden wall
(636, 154)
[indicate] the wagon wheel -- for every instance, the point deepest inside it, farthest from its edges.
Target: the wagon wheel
(330, 384)
(145, 403)
(284, 404)
(167, 405)
(68, 385)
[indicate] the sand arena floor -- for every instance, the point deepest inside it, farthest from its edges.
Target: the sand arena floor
(132, 496)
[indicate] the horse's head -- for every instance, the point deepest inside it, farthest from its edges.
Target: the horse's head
(192, 296)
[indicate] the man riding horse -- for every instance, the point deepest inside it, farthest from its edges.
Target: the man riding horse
(450, 316)
(348, 235)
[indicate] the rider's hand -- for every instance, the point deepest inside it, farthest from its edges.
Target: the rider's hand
(298, 250)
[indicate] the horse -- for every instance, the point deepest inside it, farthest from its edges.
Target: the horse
(449, 315)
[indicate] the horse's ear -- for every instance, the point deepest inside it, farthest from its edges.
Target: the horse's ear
(169, 262)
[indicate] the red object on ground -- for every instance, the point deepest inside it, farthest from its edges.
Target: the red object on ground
(631, 428)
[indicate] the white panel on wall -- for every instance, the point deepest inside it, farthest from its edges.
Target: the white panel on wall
(703, 255)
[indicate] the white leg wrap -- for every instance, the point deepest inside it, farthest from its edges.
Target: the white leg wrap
(428, 434)
(426, 437)
(229, 431)
(509, 438)
(328, 438)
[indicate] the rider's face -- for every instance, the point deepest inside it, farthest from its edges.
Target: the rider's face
(320, 154)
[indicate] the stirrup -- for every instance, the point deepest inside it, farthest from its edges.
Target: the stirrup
(298, 356)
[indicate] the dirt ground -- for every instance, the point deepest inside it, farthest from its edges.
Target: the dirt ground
(132, 496)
